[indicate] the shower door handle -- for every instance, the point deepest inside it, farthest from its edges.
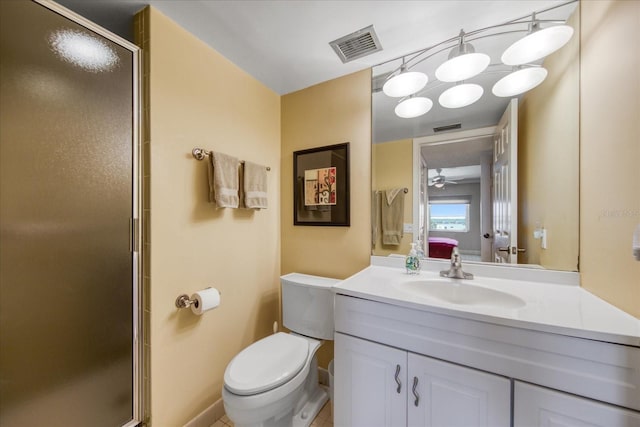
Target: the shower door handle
(134, 230)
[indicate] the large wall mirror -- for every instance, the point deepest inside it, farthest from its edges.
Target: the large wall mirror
(463, 187)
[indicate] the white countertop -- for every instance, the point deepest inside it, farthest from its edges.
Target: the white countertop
(550, 307)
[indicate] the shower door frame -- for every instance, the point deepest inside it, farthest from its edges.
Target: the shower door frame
(136, 228)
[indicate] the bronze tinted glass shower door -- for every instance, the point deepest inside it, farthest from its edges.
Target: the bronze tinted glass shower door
(66, 198)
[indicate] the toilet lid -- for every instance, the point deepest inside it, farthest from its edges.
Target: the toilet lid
(266, 364)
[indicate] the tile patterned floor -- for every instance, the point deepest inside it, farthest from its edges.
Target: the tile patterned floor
(323, 419)
(223, 422)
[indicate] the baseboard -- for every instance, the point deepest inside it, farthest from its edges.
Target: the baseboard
(209, 416)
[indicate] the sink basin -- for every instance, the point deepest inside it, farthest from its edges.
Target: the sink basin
(456, 292)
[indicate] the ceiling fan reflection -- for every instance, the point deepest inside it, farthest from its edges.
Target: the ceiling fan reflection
(440, 180)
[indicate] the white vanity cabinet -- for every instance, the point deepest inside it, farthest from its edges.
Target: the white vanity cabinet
(384, 386)
(372, 390)
(540, 407)
(445, 394)
(469, 372)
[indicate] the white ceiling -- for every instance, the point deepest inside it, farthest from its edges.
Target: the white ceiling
(462, 174)
(458, 161)
(285, 43)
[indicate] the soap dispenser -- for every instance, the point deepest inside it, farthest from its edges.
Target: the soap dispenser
(412, 261)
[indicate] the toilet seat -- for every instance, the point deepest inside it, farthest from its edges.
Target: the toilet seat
(266, 364)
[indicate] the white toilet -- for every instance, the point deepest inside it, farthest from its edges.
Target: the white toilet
(274, 381)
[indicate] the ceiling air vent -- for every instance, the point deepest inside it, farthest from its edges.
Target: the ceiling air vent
(448, 127)
(356, 45)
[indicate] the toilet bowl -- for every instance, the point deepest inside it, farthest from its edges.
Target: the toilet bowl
(274, 381)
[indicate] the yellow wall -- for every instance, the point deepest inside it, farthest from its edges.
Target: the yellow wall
(393, 167)
(548, 158)
(610, 150)
(329, 113)
(197, 98)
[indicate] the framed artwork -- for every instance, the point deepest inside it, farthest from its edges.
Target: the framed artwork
(321, 186)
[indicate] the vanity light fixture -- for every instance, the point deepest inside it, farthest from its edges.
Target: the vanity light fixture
(461, 95)
(537, 44)
(520, 81)
(405, 83)
(413, 106)
(463, 63)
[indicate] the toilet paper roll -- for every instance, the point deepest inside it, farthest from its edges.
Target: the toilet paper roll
(205, 300)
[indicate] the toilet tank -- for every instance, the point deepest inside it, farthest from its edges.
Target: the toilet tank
(307, 304)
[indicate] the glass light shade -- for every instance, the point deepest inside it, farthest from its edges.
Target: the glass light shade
(404, 84)
(413, 107)
(519, 81)
(461, 95)
(439, 184)
(462, 67)
(537, 45)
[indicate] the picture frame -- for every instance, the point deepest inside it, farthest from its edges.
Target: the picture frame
(321, 186)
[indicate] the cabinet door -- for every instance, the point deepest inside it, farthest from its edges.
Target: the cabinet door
(445, 395)
(539, 406)
(370, 382)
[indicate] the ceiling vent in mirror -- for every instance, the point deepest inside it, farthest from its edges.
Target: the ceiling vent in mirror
(448, 127)
(356, 45)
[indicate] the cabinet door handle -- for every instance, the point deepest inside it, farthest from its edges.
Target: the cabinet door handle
(397, 377)
(415, 392)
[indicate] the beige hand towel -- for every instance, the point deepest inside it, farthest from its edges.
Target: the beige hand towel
(223, 180)
(392, 215)
(254, 186)
(375, 217)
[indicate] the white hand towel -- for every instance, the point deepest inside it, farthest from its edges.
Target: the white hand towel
(254, 185)
(223, 180)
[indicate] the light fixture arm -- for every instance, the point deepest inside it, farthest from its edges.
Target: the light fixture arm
(535, 24)
(401, 69)
(461, 35)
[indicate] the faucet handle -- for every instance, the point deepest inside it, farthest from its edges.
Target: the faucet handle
(455, 254)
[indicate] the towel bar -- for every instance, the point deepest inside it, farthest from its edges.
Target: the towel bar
(405, 189)
(201, 153)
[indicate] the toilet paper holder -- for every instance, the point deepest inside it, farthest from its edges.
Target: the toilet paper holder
(184, 301)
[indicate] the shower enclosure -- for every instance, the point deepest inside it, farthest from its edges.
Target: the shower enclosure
(69, 228)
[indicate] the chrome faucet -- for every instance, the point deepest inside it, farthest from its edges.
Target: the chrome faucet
(455, 272)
